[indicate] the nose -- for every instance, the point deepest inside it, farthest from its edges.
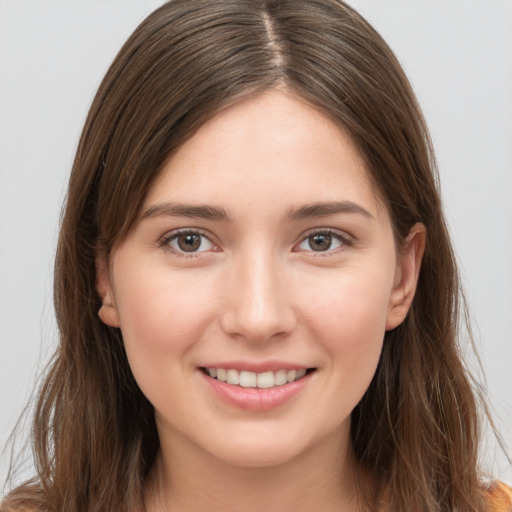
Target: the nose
(258, 304)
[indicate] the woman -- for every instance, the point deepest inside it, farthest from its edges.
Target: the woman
(255, 289)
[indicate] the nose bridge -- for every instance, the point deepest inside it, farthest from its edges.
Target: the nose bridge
(258, 305)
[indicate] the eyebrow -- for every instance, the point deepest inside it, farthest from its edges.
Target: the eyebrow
(219, 214)
(329, 208)
(186, 210)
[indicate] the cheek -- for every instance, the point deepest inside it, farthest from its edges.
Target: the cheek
(350, 304)
(349, 317)
(162, 316)
(162, 312)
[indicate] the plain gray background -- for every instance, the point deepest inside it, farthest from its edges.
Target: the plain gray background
(53, 53)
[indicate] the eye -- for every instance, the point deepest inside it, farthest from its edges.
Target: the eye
(323, 241)
(188, 242)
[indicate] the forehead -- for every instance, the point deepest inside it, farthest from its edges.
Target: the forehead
(272, 148)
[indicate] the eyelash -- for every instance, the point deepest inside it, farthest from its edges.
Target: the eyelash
(344, 240)
(166, 240)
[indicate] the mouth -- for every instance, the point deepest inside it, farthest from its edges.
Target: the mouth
(262, 380)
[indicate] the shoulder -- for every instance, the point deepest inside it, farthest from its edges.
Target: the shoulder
(499, 497)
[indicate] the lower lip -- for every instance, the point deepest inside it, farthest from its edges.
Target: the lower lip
(256, 399)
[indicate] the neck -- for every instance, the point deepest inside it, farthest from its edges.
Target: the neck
(192, 481)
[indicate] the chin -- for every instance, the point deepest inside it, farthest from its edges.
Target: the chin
(257, 456)
(274, 448)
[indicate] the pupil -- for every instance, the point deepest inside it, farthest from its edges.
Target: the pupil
(189, 243)
(320, 242)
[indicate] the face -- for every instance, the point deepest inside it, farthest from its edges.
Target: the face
(255, 289)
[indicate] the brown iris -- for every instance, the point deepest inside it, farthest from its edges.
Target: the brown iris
(320, 241)
(189, 242)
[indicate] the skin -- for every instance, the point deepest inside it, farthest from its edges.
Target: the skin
(258, 289)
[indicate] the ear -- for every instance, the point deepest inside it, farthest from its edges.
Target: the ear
(108, 312)
(406, 277)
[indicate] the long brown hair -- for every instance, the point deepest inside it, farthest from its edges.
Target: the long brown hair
(415, 432)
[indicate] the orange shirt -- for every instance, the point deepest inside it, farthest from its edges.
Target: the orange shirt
(500, 497)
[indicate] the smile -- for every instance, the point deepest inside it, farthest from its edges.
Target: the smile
(269, 388)
(263, 380)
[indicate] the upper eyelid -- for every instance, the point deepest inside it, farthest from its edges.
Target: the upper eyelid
(172, 234)
(347, 241)
(332, 231)
(346, 237)
(179, 231)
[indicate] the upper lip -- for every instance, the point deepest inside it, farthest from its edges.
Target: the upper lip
(256, 367)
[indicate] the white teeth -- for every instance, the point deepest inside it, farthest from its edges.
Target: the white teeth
(232, 377)
(264, 380)
(290, 375)
(300, 373)
(280, 378)
(247, 379)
